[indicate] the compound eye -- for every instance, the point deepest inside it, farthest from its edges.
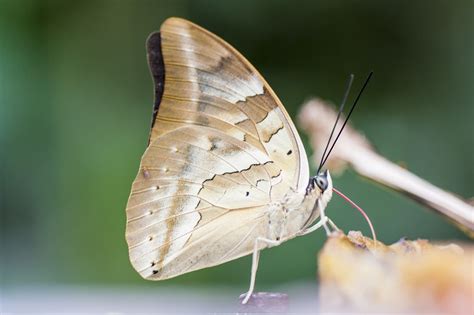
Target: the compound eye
(322, 183)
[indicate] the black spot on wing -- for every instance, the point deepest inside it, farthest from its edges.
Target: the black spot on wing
(223, 63)
(215, 144)
(157, 69)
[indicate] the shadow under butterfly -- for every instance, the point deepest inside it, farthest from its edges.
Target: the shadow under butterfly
(225, 173)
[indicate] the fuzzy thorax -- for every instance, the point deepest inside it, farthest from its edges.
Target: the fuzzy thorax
(297, 211)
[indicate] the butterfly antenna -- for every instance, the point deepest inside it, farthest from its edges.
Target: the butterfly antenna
(341, 108)
(349, 115)
(352, 203)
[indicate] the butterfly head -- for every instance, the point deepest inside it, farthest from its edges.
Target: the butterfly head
(322, 185)
(322, 181)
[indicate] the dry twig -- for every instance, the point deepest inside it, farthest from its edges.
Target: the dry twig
(354, 149)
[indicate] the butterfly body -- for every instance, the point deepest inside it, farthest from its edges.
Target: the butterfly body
(295, 213)
(225, 173)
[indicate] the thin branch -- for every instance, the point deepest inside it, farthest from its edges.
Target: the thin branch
(355, 150)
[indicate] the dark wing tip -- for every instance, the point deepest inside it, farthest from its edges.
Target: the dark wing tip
(157, 69)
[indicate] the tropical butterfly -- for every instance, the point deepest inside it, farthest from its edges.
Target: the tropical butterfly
(225, 173)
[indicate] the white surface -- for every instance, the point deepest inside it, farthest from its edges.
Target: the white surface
(133, 300)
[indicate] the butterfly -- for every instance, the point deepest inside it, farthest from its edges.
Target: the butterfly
(225, 173)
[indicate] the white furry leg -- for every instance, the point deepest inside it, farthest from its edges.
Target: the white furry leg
(325, 219)
(333, 225)
(322, 222)
(255, 259)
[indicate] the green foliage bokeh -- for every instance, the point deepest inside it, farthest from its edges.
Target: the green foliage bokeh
(76, 99)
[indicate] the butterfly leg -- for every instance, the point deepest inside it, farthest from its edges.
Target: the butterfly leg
(313, 228)
(324, 220)
(255, 259)
(333, 225)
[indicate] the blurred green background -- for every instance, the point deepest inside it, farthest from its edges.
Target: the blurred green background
(76, 98)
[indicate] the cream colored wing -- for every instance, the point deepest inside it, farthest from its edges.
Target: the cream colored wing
(209, 83)
(182, 213)
(221, 148)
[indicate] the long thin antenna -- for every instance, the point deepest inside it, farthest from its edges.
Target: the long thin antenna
(349, 115)
(341, 108)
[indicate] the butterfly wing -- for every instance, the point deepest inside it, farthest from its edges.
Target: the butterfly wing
(221, 148)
